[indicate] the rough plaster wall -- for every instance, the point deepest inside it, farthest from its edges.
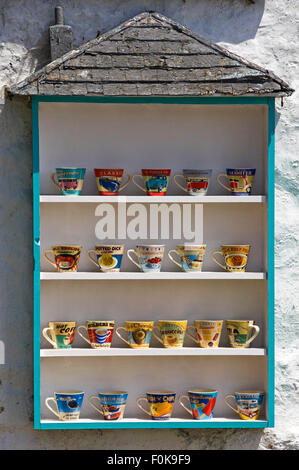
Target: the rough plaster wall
(266, 33)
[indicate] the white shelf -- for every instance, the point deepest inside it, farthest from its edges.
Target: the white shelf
(138, 276)
(185, 351)
(153, 199)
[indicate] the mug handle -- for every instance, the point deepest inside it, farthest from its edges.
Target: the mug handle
(120, 336)
(217, 262)
(82, 336)
(48, 259)
(45, 331)
(93, 405)
(91, 258)
(220, 182)
(226, 401)
(178, 184)
(126, 183)
(131, 259)
(137, 184)
(256, 332)
(54, 180)
(191, 336)
(141, 407)
(50, 408)
(171, 258)
(156, 336)
(183, 405)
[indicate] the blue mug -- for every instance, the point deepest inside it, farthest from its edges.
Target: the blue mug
(112, 404)
(69, 180)
(68, 405)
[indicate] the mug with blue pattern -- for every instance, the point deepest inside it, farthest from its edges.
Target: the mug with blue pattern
(112, 404)
(202, 403)
(68, 405)
(249, 403)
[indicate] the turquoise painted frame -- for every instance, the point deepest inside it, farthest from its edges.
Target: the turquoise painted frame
(270, 103)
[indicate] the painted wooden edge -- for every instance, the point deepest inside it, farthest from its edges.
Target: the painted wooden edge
(54, 199)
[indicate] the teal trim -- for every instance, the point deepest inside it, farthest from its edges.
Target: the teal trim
(271, 247)
(36, 258)
(154, 425)
(152, 99)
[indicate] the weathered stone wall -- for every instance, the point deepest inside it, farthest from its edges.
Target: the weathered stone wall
(266, 33)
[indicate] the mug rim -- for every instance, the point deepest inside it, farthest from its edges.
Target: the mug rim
(213, 321)
(70, 168)
(203, 391)
(75, 392)
(139, 321)
(252, 392)
(100, 321)
(66, 246)
(67, 321)
(155, 169)
(151, 246)
(235, 245)
(111, 392)
(245, 168)
(237, 321)
(172, 321)
(161, 392)
(113, 169)
(96, 246)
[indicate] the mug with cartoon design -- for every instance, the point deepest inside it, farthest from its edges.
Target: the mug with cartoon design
(208, 333)
(69, 180)
(112, 404)
(68, 405)
(240, 180)
(155, 181)
(241, 333)
(172, 333)
(108, 257)
(160, 404)
(235, 257)
(139, 333)
(190, 257)
(109, 181)
(66, 257)
(202, 403)
(249, 403)
(196, 181)
(61, 334)
(100, 333)
(149, 257)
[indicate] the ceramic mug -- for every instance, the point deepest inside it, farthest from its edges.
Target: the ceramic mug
(109, 181)
(149, 257)
(66, 257)
(160, 404)
(240, 180)
(69, 180)
(108, 257)
(61, 334)
(196, 181)
(155, 181)
(190, 256)
(202, 403)
(235, 257)
(208, 333)
(249, 403)
(68, 405)
(100, 333)
(112, 404)
(172, 333)
(241, 332)
(139, 333)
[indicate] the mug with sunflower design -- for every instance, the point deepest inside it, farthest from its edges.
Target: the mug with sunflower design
(109, 257)
(160, 404)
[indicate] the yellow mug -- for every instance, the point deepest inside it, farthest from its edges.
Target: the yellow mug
(208, 333)
(172, 333)
(139, 333)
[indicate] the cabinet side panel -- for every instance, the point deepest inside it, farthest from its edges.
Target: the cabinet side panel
(36, 256)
